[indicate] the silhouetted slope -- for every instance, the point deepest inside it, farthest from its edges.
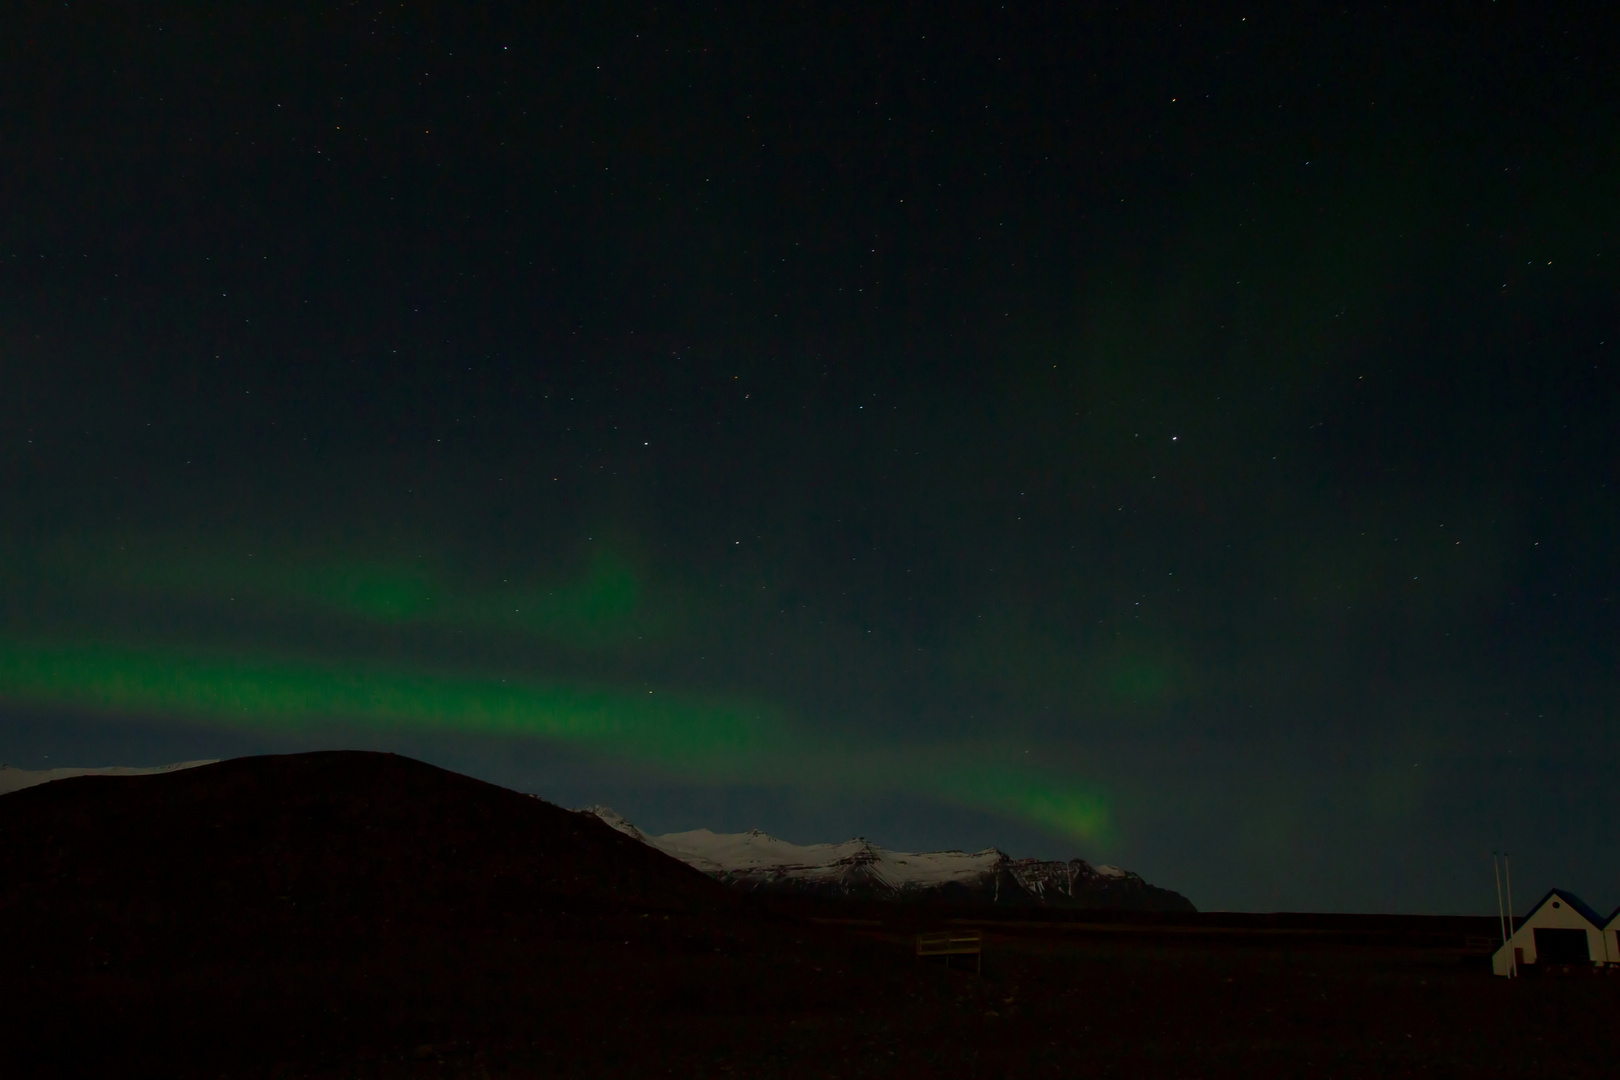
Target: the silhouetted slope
(268, 852)
(284, 909)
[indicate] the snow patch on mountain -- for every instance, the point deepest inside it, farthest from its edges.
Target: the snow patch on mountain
(758, 861)
(15, 779)
(757, 853)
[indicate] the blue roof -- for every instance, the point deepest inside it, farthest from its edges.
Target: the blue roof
(1573, 901)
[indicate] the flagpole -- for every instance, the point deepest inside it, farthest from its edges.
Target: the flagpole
(1507, 869)
(1500, 918)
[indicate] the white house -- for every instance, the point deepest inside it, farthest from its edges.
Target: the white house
(1559, 930)
(1611, 936)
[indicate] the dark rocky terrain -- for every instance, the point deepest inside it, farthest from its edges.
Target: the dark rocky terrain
(344, 915)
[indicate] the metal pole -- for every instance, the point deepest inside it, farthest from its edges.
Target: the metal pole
(1507, 869)
(1500, 918)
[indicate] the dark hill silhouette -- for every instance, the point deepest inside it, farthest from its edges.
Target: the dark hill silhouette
(310, 850)
(289, 908)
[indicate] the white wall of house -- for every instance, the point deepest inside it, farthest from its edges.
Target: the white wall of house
(1611, 938)
(1554, 914)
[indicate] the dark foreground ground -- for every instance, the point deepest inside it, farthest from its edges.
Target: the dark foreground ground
(355, 915)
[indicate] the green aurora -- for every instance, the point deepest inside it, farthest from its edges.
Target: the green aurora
(602, 605)
(693, 736)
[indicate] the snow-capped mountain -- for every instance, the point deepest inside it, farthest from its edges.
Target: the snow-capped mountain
(755, 861)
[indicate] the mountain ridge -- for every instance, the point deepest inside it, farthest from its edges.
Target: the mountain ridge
(758, 862)
(16, 778)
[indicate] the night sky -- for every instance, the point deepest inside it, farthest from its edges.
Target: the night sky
(1185, 440)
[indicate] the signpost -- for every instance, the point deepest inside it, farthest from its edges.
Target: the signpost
(953, 943)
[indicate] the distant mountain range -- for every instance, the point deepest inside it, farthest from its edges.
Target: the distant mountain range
(758, 862)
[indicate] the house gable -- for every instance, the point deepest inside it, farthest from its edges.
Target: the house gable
(1558, 910)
